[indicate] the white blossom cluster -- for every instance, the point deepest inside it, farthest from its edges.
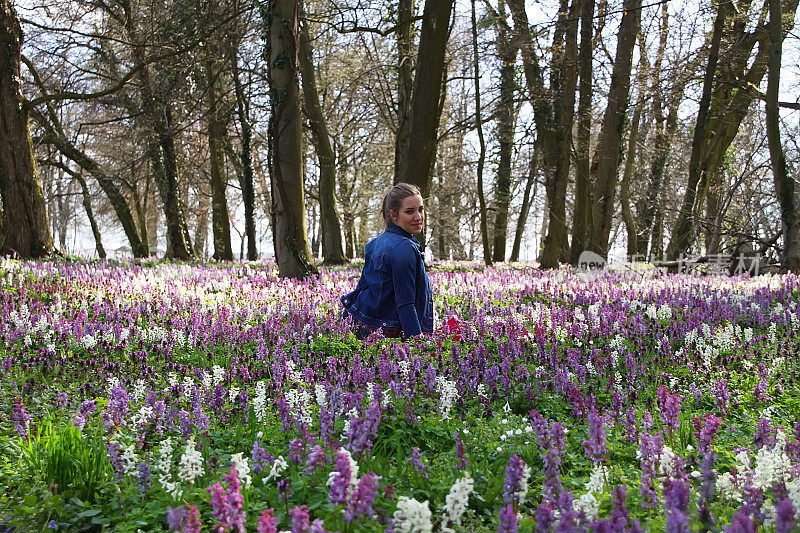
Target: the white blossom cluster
(448, 394)
(412, 516)
(659, 313)
(299, 401)
(278, 466)
(190, 466)
(456, 502)
(260, 402)
(321, 395)
(587, 503)
(242, 466)
(164, 466)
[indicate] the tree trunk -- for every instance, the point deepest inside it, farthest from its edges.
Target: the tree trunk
(331, 229)
(631, 226)
(419, 150)
(610, 141)
(220, 218)
(159, 113)
(246, 180)
(527, 199)
(682, 234)
(27, 227)
(582, 216)
(87, 206)
(487, 250)
(203, 211)
(405, 80)
(554, 112)
(506, 124)
(785, 187)
(290, 236)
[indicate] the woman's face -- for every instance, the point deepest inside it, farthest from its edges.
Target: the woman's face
(411, 214)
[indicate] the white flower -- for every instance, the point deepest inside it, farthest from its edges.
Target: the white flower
(321, 395)
(219, 374)
(448, 394)
(242, 468)
(278, 466)
(233, 393)
(412, 516)
(588, 504)
(456, 501)
(190, 466)
(130, 462)
(260, 402)
(597, 480)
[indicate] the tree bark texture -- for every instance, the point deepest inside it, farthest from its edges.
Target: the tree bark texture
(331, 229)
(290, 236)
(419, 149)
(405, 79)
(216, 129)
(785, 187)
(506, 124)
(554, 112)
(610, 141)
(27, 226)
(582, 213)
(487, 247)
(246, 181)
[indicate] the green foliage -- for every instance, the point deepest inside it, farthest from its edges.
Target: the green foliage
(70, 462)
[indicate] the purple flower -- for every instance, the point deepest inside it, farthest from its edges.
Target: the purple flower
(285, 489)
(144, 477)
(227, 505)
(461, 452)
(185, 519)
(595, 445)
(267, 523)
(360, 503)
(340, 483)
(785, 516)
(363, 429)
(619, 513)
(722, 396)
(316, 457)
(300, 519)
(508, 520)
(260, 457)
(670, 405)
(416, 460)
(650, 447)
(516, 482)
(20, 418)
(676, 494)
(765, 435)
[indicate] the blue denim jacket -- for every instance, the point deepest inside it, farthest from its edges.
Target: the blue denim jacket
(394, 291)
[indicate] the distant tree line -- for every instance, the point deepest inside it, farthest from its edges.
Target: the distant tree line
(646, 126)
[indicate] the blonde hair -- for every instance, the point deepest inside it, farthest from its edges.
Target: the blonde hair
(394, 199)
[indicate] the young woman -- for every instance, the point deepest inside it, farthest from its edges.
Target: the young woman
(394, 292)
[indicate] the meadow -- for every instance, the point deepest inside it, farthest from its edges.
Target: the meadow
(163, 396)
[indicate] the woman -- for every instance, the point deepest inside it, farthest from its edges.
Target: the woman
(394, 292)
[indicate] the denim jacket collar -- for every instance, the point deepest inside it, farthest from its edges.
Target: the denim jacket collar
(394, 228)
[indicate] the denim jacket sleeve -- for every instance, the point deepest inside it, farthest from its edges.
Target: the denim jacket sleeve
(403, 259)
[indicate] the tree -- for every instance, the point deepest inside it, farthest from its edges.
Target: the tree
(506, 123)
(608, 151)
(26, 224)
(332, 252)
(487, 250)
(419, 149)
(582, 213)
(785, 187)
(290, 237)
(554, 112)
